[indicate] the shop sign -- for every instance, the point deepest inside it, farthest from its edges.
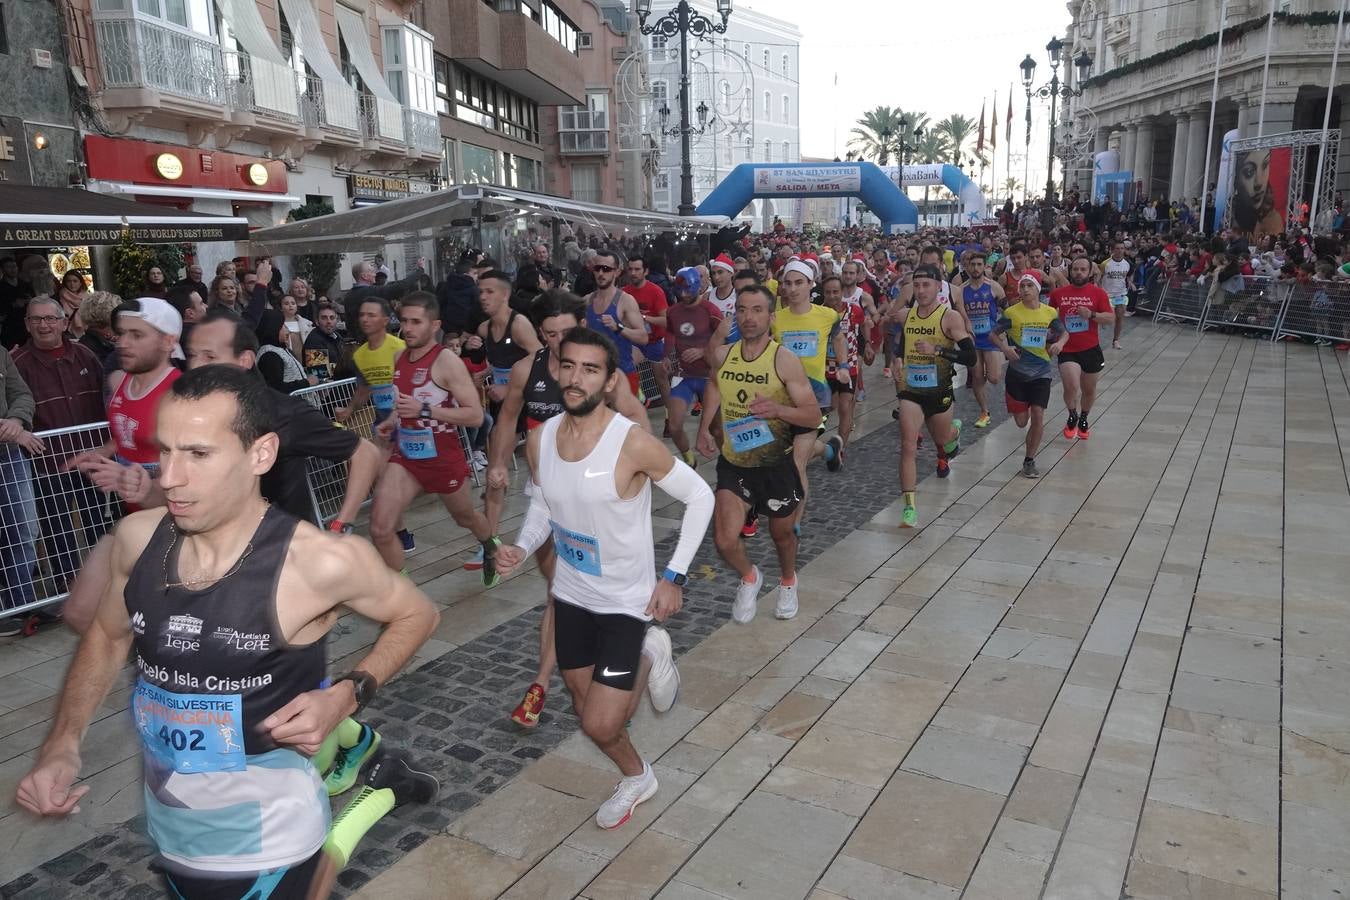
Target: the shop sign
(169, 166)
(13, 152)
(381, 187)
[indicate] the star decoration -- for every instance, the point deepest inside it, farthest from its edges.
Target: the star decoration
(740, 128)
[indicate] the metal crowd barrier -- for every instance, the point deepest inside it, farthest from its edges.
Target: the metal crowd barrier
(1257, 307)
(1318, 311)
(1151, 295)
(50, 518)
(1182, 300)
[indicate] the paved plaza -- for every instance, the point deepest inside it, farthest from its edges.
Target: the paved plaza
(1129, 678)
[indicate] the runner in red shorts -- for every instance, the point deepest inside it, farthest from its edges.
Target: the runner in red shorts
(433, 397)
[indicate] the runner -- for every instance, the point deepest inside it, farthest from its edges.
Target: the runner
(374, 361)
(535, 391)
(1115, 280)
(606, 592)
(808, 331)
(652, 303)
(1029, 334)
(616, 315)
(1080, 305)
(934, 338)
(226, 602)
(721, 293)
(983, 300)
(842, 389)
(759, 394)
(692, 322)
(433, 396)
(505, 338)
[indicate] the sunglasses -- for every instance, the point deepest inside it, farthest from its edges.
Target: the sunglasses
(604, 268)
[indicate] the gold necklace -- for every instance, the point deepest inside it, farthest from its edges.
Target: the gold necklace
(191, 583)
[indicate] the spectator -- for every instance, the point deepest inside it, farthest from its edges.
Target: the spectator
(190, 306)
(296, 324)
(66, 380)
(71, 294)
(155, 284)
(541, 261)
(228, 269)
(194, 280)
(14, 296)
(457, 295)
(305, 304)
(364, 288)
(279, 367)
(96, 311)
(224, 293)
(18, 525)
(531, 281)
(325, 358)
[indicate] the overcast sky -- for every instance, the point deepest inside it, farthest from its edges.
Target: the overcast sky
(940, 58)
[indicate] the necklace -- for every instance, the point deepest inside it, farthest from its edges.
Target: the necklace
(191, 583)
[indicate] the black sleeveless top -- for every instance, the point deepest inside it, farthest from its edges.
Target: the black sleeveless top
(543, 394)
(503, 353)
(225, 638)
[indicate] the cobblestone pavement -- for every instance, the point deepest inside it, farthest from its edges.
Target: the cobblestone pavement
(453, 712)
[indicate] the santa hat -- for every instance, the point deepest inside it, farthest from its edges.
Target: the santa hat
(724, 262)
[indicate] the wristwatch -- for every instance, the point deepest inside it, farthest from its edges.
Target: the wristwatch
(676, 578)
(365, 685)
(426, 410)
(339, 527)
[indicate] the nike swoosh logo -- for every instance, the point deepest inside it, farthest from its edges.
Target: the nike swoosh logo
(605, 672)
(590, 474)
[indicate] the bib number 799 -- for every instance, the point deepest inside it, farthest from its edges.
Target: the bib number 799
(181, 740)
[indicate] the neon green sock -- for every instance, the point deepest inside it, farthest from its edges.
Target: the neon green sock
(908, 497)
(323, 760)
(348, 732)
(358, 817)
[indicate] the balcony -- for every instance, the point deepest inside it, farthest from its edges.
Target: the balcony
(147, 66)
(423, 132)
(509, 48)
(330, 106)
(259, 88)
(382, 124)
(583, 143)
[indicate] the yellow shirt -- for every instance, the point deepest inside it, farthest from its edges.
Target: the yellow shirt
(377, 365)
(925, 371)
(807, 335)
(748, 441)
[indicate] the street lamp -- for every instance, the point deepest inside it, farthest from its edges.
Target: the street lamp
(684, 21)
(1053, 92)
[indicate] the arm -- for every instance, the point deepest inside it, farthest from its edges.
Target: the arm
(712, 403)
(450, 373)
(627, 405)
(502, 440)
(659, 320)
(363, 467)
(525, 335)
(535, 529)
(46, 790)
(804, 411)
(630, 317)
(840, 344)
(18, 399)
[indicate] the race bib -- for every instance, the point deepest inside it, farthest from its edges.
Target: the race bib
(580, 551)
(382, 397)
(748, 433)
(190, 733)
(416, 443)
(500, 375)
(981, 324)
(1075, 324)
(802, 343)
(921, 375)
(1033, 337)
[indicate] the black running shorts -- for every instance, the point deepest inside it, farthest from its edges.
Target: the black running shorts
(932, 404)
(1091, 360)
(290, 883)
(611, 642)
(1024, 392)
(772, 491)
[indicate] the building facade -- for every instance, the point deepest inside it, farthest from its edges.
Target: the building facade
(748, 78)
(588, 161)
(1153, 71)
(38, 133)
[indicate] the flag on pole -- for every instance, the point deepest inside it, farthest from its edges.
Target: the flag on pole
(979, 146)
(1007, 135)
(993, 125)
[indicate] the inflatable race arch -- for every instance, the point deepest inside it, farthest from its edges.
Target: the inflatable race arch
(867, 181)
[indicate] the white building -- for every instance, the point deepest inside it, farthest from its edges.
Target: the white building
(1152, 103)
(748, 77)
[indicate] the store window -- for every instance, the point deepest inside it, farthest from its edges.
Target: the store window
(585, 129)
(586, 183)
(480, 165)
(408, 66)
(483, 102)
(443, 82)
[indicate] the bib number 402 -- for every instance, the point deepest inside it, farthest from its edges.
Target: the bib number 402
(182, 740)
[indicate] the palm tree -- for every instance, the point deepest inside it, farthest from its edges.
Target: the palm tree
(932, 147)
(876, 134)
(957, 129)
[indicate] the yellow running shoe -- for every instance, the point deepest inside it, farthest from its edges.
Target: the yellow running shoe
(982, 421)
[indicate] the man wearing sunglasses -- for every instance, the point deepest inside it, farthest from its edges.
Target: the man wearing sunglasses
(615, 314)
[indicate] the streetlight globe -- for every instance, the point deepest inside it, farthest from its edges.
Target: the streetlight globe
(1028, 67)
(1053, 49)
(1084, 65)
(723, 7)
(643, 8)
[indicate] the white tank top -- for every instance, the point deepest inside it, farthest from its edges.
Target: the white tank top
(1113, 279)
(606, 560)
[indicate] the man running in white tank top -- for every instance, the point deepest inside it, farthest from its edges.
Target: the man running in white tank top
(590, 493)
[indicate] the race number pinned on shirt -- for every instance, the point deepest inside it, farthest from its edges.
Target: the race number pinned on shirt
(921, 375)
(1075, 324)
(500, 375)
(580, 551)
(748, 433)
(416, 443)
(382, 397)
(1033, 337)
(981, 324)
(802, 343)
(190, 733)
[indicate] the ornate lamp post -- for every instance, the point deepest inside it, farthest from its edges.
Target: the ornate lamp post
(684, 21)
(1053, 92)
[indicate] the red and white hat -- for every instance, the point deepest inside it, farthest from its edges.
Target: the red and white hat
(724, 262)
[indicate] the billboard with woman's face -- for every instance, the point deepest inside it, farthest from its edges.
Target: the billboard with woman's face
(1260, 197)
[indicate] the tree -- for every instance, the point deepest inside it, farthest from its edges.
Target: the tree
(319, 269)
(129, 263)
(932, 147)
(958, 129)
(877, 134)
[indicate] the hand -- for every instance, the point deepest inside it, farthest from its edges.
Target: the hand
(306, 720)
(46, 789)
(312, 379)
(764, 408)
(1055, 348)
(508, 558)
(497, 478)
(706, 445)
(264, 272)
(1011, 353)
(1085, 312)
(10, 429)
(844, 375)
(32, 443)
(385, 429)
(473, 342)
(692, 355)
(421, 262)
(406, 406)
(342, 413)
(608, 322)
(496, 392)
(667, 599)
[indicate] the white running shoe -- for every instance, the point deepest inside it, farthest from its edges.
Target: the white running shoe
(663, 682)
(630, 792)
(747, 594)
(786, 607)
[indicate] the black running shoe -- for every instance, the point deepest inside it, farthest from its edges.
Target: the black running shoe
(396, 770)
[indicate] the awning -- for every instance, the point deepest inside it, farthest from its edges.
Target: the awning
(429, 215)
(163, 190)
(59, 217)
(353, 28)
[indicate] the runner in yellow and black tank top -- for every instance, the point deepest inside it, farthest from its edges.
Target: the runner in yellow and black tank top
(747, 441)
(928, 376)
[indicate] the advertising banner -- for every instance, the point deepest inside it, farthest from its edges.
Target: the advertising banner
(1256, 191)
(800, 180)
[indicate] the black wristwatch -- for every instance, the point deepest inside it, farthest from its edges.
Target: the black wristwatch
(365, 686)
(426, 410)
